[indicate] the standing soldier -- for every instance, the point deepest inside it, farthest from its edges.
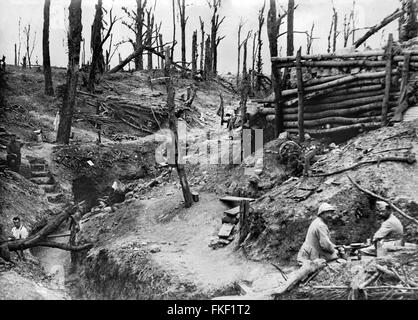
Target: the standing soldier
(13, 154)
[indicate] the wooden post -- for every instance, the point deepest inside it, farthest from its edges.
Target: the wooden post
(194, 54)
(243, 220)
(300, 94)
(181, 171)
(402, 102)
(388, 79)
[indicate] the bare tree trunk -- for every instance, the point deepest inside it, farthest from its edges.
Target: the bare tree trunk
(330, 34)
(49, 88)
(261, 21)
(202, 44)
(216, 23)
(160, 37)
(244, 86)
(174, 30)
(273, 27)
(408, 23)
(194, 54)
(173, 127)
(139, 42)
(253, 67)
(16, 55)
(290, 29)
(150, 25)
(241, 24)
(334, 42)
(20, 41)
(208, 59)
(74, 40)
(183, 22)
(97, 61)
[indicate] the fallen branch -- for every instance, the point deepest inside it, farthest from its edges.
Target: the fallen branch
(369, 281)
(403, 214)
(378, 26)
(139, 50)
(38, 239)
(409, 160)
(64, 246)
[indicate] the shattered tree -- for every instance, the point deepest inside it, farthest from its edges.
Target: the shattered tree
(274, 22)
(74, 42)
(49, 88)
(408, 25)
(181, 171)
(261, 21)
(97, 62)
(216, 23)
(183, 22)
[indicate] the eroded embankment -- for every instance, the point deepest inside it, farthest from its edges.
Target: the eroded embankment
(280, 219)
(131, 273)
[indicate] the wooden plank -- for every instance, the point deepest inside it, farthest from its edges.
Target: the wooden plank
(300, 95)
(235, 199)
(402, 102)
(226, 230)
(388, 79)
(244, 226)
(233, 212)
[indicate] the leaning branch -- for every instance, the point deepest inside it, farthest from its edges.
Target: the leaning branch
(139, 51)
(403, 214)
(378, 26)
(409, 160)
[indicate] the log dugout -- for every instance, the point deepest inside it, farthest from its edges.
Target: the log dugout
(345, 100)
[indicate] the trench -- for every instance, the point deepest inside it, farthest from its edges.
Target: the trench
(104, 275)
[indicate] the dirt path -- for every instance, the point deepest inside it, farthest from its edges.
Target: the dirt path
(180, 237)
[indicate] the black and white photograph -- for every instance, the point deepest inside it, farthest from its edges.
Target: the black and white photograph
(221, 151)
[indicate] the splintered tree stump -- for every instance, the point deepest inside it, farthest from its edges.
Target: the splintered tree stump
(244, 226)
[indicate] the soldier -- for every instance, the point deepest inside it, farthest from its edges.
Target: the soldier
(13, 154)
(317, 242)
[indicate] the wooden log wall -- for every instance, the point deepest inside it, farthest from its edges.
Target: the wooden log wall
(362, 90)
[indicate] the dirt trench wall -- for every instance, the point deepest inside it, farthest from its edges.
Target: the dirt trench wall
(279, 233)
(130, 273)
(126, 162)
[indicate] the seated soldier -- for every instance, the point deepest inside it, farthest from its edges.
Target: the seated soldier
(390, 232)
(317, 242)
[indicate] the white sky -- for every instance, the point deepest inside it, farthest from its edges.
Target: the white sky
(369, 12)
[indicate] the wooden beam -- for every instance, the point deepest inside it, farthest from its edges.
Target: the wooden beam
(403, 103)
(388, 79)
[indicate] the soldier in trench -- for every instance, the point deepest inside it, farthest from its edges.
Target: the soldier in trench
(14, 154)
(317, 242)
(390, 232)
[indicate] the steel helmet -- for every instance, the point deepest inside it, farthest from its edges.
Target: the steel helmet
(324, 207)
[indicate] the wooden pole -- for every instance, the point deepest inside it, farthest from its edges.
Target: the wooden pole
(300, 94)
(378, 26)
(388, 79)
(402, 102)
(243, 220)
